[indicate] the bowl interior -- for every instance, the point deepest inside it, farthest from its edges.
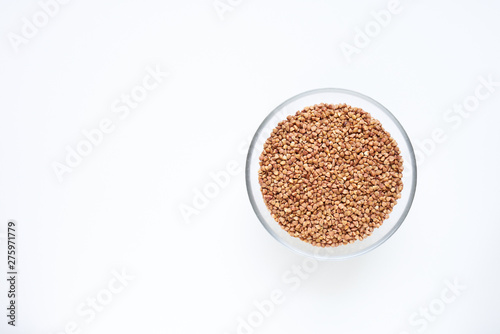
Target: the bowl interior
(390, 124)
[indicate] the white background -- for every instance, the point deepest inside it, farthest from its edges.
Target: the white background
(120, 208)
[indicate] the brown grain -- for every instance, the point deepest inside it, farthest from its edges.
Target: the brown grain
(330, 174)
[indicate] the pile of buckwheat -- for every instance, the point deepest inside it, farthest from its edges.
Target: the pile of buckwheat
(330, 174)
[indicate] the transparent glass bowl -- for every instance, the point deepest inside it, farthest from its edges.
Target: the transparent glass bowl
(390, 124)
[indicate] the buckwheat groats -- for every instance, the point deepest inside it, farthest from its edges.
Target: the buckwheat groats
(330, 174)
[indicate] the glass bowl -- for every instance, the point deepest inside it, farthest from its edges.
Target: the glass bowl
(390, 124)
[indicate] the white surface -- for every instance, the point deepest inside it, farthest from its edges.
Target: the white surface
(120, 207)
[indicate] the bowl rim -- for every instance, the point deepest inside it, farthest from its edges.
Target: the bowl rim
(413, 183)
